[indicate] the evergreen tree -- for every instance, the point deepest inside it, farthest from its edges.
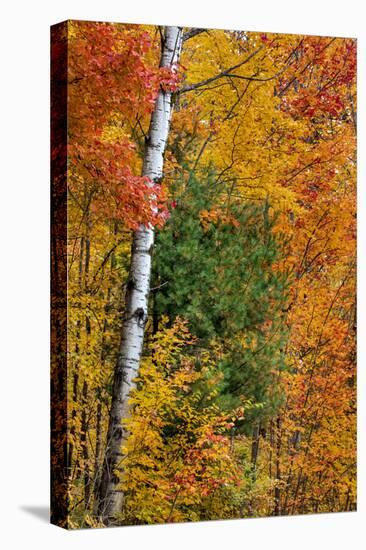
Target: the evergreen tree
(215, 265)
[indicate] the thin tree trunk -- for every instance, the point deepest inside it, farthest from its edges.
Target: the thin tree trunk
(271, 445)
(84, 446)
(76, 373)
(84, 416)
(137, 294)
(73, 417)
(255, 447)
(99, 426)
(277, 510)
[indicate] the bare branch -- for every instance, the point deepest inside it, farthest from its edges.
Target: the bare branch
(192, 32)
(227, 72)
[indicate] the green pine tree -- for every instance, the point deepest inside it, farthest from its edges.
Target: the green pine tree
(221, 277)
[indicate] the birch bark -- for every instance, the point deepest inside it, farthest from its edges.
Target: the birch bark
(137, 295)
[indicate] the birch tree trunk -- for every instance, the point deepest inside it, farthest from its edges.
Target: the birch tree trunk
(137, 294)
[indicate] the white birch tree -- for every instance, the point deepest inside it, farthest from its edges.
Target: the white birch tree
(137, 293)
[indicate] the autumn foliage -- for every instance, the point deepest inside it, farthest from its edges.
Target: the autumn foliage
(245, 403)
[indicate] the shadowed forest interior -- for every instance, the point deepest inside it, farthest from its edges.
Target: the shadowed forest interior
(209, 263)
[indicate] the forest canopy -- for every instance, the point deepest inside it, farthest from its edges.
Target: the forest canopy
(211, 252)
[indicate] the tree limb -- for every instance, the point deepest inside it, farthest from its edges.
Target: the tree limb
(226, 72)
(192, 32)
